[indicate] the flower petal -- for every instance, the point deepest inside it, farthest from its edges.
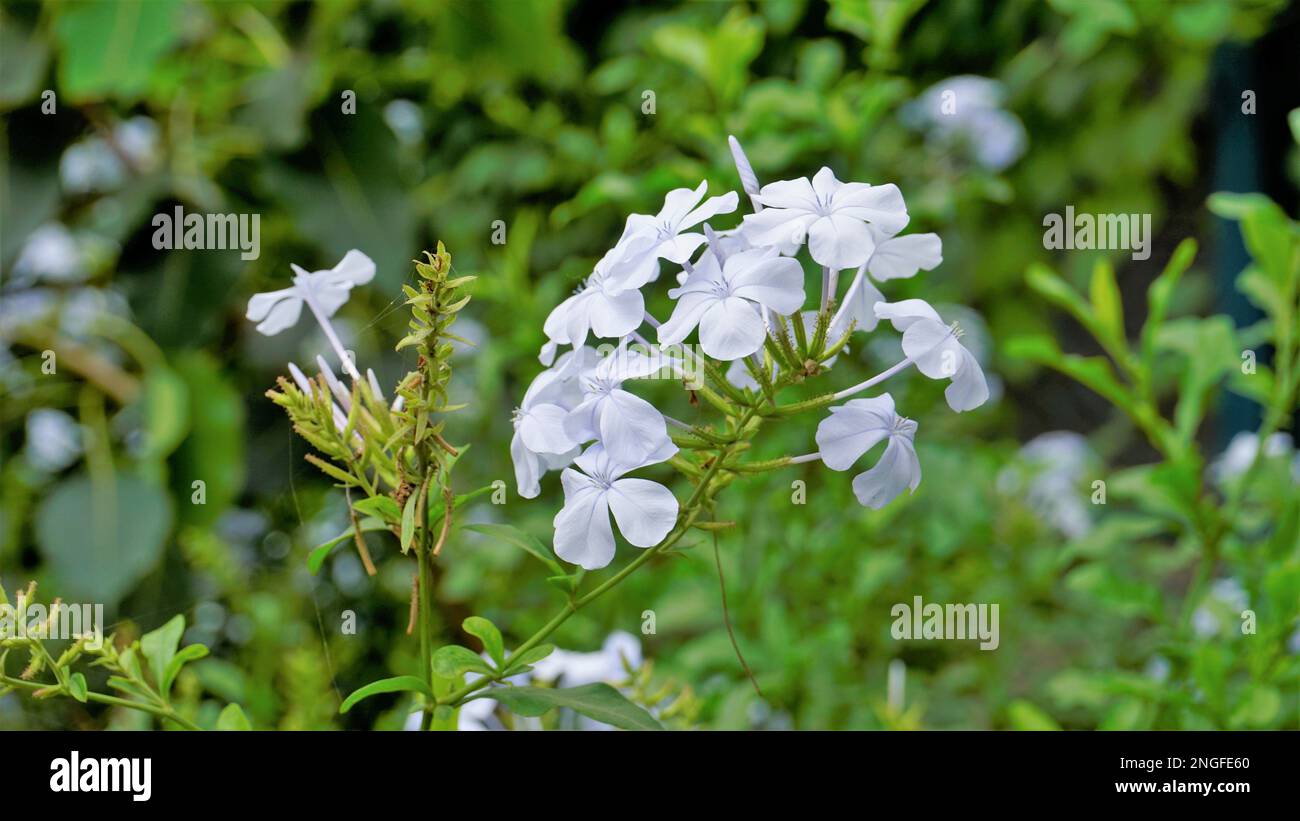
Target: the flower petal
(713, 206)
(645, 511)
(630, 428)
(542, 429)
(905, 312)
(582, 424)
(678, 203)
(690, 307)
(902, 257)
(731, 328)
(840, 241)
(527, 469)
(583, 535)
(776, 282)
(614, 316)
(277, 310)
(789, 194)
(782, 227)
(897, 469)
(858, 306)
(854, 428)
(968, 390)
(934, 347)
(880, 205)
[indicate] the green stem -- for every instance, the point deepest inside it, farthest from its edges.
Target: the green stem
(158, 711)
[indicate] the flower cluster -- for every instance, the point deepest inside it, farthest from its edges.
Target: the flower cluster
(742, 293)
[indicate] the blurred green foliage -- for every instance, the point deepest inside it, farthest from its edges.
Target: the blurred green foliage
(537, 114)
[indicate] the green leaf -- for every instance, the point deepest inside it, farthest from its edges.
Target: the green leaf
(191, 652)
(454, 660)
(1023, 715)
(1106, 304)
(1057, 291)
(1161, 291)
(110, 49)
(398, 684)
(166, 404)
(232, 718)
(382, 507)
(213, 450)
(77, 687)
(598, 701)
(100, 538)
(531, 656)
(159, 648)
(524, 541)
(486, 632)
(408, 520)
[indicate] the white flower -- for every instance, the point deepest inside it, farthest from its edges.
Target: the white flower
(934, 348)
(965, 112)
(831, 214)
(54, 440)
(606, 305)
(277, 310)
(682, 210)
(1241, 451)
(645, 511)
(540, 443)
(629, 427)
(725, 301)
(854, 428)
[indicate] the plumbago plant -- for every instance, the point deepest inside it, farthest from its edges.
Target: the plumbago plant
(742, 292)
(1198, 524)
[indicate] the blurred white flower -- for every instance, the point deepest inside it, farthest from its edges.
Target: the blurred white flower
(938, 354)
(94, 165)
(645, 511)
(834, 216)
(572, 669)
(1057, 463)
(966, 112)
(1241, 451)
(50, 253)
(854, 428)
(53, 440)
(725, 301)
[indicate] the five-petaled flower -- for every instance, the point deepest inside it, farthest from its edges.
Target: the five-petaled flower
(629, 427)
(833, 215)
(329, 290)
(938, 354)
(725, 301)
(645, 511)
(856, 427)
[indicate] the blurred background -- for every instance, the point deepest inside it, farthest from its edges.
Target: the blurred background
(387, 126)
